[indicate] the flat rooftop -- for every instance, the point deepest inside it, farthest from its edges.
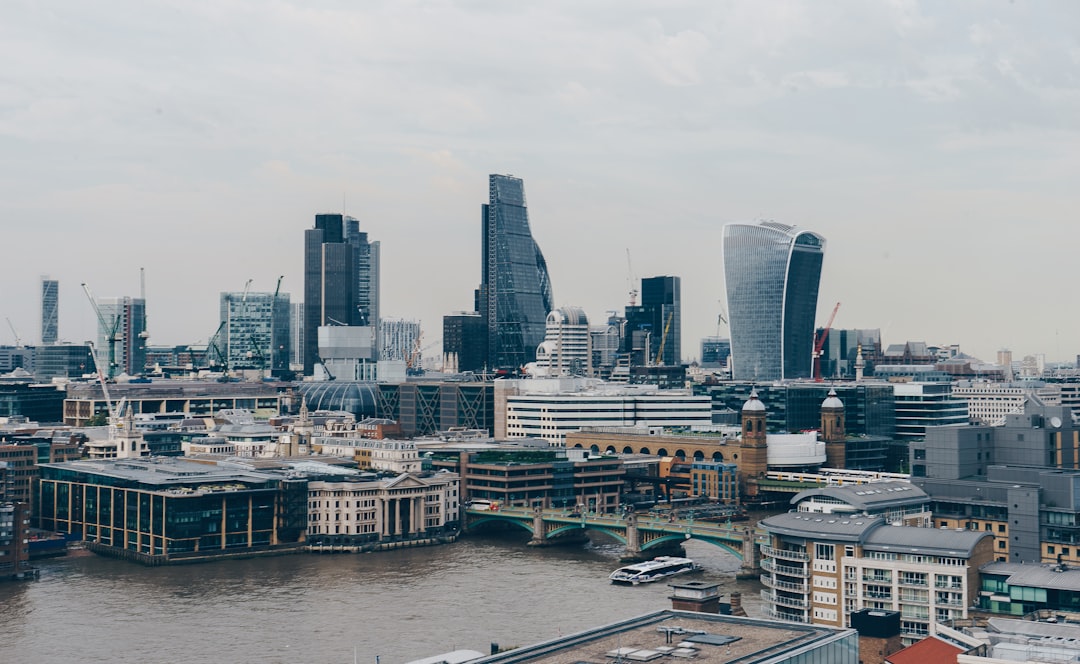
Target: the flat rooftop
(702, 637)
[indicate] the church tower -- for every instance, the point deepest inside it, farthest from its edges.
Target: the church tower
(753, 458)
(832, 430)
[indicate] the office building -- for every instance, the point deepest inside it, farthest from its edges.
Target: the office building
(1019, 481)
(841, 348)
(551, 408)
(821, 568)
(923, 406)
(658, 321)
(296, 334)
(423, 408)
(50, 306)
(989, 402)
(464, 342)
(255, 331)
(567, 346)
(122, 347)
(176, 509)
(772, 273)
(715, 352)
(340, 281)
(607, 342)
(400, 341)
(191, 398)
(515, 290)
(14, 550)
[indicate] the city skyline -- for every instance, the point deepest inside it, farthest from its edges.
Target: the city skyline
(934, 146)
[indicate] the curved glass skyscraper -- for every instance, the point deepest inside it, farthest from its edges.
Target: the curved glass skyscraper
(772, 272)
(515, 292)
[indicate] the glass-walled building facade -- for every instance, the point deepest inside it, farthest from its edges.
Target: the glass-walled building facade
(772, 273)
(515, 291)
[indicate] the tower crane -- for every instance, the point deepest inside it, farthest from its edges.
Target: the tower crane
(821, 344)
(273, 310)
(111, 332)
(663, 339)
(18, 339)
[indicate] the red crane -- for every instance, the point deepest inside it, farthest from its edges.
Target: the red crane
(821, 344)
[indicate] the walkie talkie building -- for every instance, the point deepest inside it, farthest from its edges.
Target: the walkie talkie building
(772, 272)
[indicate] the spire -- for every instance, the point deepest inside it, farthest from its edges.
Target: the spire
(860, 364)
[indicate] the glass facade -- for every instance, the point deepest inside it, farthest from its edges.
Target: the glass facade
(256, 331)
(772, 273)
(515, 290)
(50, 297)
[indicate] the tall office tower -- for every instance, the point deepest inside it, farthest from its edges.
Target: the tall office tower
(464, 342)
(772, 272)
(50, 299)
(256, 331)
(296, 333)
(659, 315)
(340, 280)
(515, 291)
(367, 272)
(715, 351)
(399, 340)
(126, 352)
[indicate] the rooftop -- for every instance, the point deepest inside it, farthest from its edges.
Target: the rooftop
(1037, 576)
(704, 637)
(870, 496)
(930, 650)
(831, 526)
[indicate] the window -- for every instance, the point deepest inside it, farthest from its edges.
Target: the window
(825, 552)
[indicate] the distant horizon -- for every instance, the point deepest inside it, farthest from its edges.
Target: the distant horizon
(934, 146)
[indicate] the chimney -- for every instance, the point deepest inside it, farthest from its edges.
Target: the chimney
(696, 596)
(879, 634)
(736, 604)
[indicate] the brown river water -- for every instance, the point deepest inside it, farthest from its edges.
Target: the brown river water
(397, 605)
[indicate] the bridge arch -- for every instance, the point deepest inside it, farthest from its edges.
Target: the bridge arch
(495, 519)
(575, 527)
(681, 537)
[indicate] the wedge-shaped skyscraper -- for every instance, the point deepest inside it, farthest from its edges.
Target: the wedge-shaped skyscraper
(772, 272)
(515, 292)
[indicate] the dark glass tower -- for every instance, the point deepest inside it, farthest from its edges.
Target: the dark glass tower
(660, 304)
(515, 292)
(332, 255)
(772, 272)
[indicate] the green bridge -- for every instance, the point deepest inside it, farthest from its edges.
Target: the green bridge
(638, 533)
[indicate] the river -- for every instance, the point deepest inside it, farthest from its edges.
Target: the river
(398, 605)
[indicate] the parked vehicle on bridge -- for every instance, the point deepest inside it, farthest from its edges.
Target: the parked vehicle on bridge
(653, 570)
(483, 505)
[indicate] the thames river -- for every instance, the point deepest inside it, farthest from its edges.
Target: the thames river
(397, 605)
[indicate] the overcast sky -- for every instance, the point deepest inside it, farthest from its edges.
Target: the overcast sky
(935, 145)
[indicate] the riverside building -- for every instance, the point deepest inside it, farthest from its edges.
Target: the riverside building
(821, 568)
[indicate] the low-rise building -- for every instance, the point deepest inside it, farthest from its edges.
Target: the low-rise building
(14, 550)
(367, 510)
(1020, 589)
(820, 568)
(163, 509)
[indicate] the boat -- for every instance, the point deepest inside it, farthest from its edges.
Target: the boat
(653, 570)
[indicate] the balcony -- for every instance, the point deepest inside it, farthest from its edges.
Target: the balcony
(781, 615)
(914, 582)
(945, 585)
(771, 566)
(874, 594)
(770, 597)
(877, 578)
(770, 582)
(912, 598)
(785, 554)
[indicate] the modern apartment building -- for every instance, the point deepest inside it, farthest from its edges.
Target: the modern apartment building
(772, 272)
(820, 568)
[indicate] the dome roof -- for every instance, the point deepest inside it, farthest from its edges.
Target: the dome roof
(357, 398)
(753, 404)
(832, 401)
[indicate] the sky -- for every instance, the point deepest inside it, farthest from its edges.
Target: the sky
(936, 147)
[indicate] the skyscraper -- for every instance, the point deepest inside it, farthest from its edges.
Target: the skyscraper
(123, 346)
(256, 331)
(515, 291)
(340, 279)
(772, 272)
(50, 298)
(660, 315)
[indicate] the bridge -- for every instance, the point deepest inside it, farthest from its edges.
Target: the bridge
(637, 532)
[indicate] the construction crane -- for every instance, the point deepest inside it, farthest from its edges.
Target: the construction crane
(18, 339)
(821, 344)
(145, 334)
(663, 339)
(630, 279)
(111, 332)
(270, 341)
(213, 345)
